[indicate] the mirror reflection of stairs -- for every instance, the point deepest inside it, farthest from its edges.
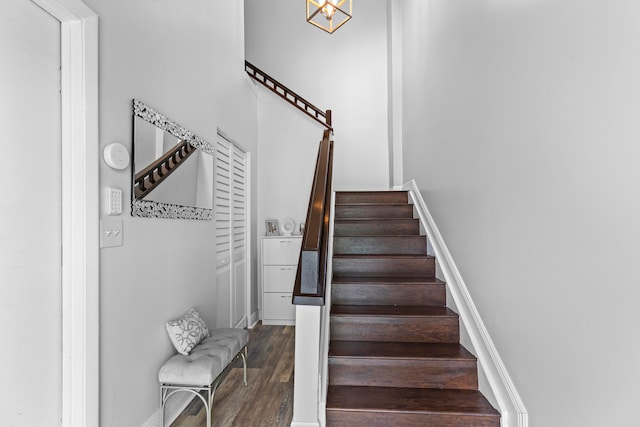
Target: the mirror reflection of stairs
(395, 357)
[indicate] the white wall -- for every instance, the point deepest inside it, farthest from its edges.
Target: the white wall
(288, 144)
(521, 128)
(288, 147)
(186, 62)
(30, 234)
(345, 72)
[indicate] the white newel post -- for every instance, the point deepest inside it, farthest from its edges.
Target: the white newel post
(307, 367)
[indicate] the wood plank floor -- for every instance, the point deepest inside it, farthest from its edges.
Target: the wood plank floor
(267, 401)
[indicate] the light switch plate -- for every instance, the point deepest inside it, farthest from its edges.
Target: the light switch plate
(110, 233)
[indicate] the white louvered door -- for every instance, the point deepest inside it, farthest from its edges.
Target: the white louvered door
(231, 233)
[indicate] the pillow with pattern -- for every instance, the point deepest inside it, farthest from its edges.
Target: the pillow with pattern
(186, 332)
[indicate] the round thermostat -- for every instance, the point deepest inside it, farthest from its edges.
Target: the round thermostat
(116, 156)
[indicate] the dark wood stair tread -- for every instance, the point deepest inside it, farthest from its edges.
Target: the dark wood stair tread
(373, 210)
(366, 192)
(391, 311)
(372, 244)
(376, 210)
(384, 280)
(398, 350)
(381, 290)
(403, 400)
(384, 196)
(382, 256)
(377, 226)
(376, 219)
(373, 236)
(372, 204)
(356, 265)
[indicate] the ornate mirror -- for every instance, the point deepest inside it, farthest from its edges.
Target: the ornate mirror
(172, 168)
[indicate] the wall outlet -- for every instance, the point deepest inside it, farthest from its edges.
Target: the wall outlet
(110, 233)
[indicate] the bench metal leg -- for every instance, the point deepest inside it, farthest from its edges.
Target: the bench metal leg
(244, 355)
(167, 390)
(166, 394)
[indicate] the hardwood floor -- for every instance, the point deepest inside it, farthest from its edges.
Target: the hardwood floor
(267, 400)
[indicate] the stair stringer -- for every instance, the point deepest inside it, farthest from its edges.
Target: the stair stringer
(512, 409)
(326, 319)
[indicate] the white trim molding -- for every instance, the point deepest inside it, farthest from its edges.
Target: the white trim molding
(394, 71)
(304, 424)
(311, 376)
(306, 375)
(254, 318)
(326, 321)
(511, 407)
(248, 247)
(174, 407)
(80, 210)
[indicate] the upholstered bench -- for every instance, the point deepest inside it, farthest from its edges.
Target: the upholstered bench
(204, 366)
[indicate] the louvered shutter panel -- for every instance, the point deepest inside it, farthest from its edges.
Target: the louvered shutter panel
(238, 200)
(223, 201)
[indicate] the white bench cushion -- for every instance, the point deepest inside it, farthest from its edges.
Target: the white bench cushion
(206, 361)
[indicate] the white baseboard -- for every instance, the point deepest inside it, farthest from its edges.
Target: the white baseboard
(270, 322)
(322, 412)
(253, 319)
(174, 407)
(304, 424)
(511, 407)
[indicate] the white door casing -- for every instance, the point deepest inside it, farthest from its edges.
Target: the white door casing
(80, 210)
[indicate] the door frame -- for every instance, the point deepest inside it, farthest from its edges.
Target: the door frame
(248, 238)
(247, 235)
(80, 210)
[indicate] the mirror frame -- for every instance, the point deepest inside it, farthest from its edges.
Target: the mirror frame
(149, 208)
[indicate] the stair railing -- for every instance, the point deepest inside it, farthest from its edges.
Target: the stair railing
(312, 291)
(322, 117)
(312, 309)
(312, 295)
(311, 278)
(151, 176)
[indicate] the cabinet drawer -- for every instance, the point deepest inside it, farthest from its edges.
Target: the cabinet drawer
(277, 305)
(283, 251)
(279, 278)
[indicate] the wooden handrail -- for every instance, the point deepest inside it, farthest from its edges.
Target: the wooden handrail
(322, 117)
(151, 176)
(309, 288)
(311, 277)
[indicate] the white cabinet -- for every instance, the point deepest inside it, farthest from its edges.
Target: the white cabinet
(279, 266)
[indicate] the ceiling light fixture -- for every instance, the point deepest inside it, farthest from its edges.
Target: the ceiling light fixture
(328, 15)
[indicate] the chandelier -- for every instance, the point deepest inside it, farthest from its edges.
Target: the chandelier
(328, 15)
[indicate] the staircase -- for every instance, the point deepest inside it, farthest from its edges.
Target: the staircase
(395, 357)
